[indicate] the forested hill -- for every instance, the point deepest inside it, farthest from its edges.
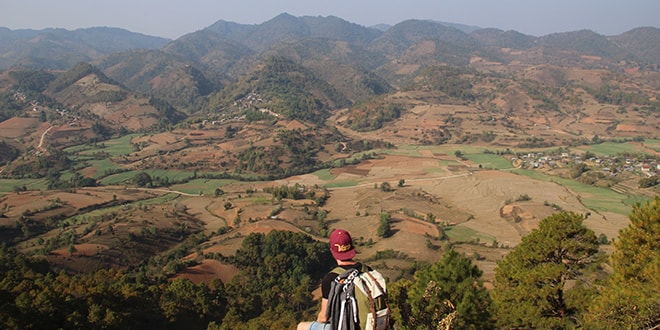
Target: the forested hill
(61, 49)
(289, 89)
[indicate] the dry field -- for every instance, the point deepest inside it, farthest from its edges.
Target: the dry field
(467, 200)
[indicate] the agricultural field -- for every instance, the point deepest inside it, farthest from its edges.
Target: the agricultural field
(476, 200)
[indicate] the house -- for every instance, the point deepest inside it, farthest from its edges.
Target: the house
(646, 169)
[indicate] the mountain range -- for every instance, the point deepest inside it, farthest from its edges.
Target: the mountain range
(342, 63)
(61, 49)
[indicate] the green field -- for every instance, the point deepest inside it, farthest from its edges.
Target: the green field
(405, 150)
(101, 166)
(126, 177)
(464, 234)
(84, 218)
(490, 161)
(653, 145)
(205, 186)
(9, 185)
(612, 148)
(595, 198)
(440, 169)
(324, 175)
(114, 147)
(341, 184)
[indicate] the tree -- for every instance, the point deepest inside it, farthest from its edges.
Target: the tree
(321, 216)
(649, 181)
(578, 169)
(384, 229)
(530, 282)
(402, 182)
(18, 189)
(142, 179)
(451, 284)
(278, 273)
(187, 303)
(385, 186)
(631, 300)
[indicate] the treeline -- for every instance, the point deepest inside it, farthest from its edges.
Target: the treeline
(7, 153)
(36, 298)
(614, 95)
(297, 192)
(278, 273)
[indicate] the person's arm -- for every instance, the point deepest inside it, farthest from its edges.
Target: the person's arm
(322, 313)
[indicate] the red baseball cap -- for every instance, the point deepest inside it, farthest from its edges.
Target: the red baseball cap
(341, 245)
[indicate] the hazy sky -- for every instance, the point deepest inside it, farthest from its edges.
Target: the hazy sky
(174, 18)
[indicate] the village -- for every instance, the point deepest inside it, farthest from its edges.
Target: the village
(642, 165)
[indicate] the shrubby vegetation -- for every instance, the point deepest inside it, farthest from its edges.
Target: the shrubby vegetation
(373, 115)
(651, 181)
(79, 71)
(452, 81)
(294, 92)
(613, 95)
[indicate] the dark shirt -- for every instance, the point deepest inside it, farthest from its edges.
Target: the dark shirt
(330, 277)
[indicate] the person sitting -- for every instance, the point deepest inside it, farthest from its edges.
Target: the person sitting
(342, 249)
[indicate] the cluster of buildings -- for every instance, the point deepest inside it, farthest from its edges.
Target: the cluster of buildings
(610, 164)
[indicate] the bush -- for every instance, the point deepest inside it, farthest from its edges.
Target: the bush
(649, 182)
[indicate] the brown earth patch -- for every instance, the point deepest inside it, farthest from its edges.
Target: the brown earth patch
(627, 128)
(360, 170)
(18, 126)
(207, 271)
(207, 210)
(81, 250)
(227, 244)
(417, 226)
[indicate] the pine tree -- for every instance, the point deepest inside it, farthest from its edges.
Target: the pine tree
(448, 289)
(631, 299)
(530, 282)
(384, 229)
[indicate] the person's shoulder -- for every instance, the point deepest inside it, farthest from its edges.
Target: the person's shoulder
(365, 266)
(332, 274)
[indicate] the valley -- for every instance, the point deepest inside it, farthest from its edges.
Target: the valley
(164, 161)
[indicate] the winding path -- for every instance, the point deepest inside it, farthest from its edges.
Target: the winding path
(167, 191)
(43, 136)
(437, 178)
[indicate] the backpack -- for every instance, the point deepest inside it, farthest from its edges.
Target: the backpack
(350, 309)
